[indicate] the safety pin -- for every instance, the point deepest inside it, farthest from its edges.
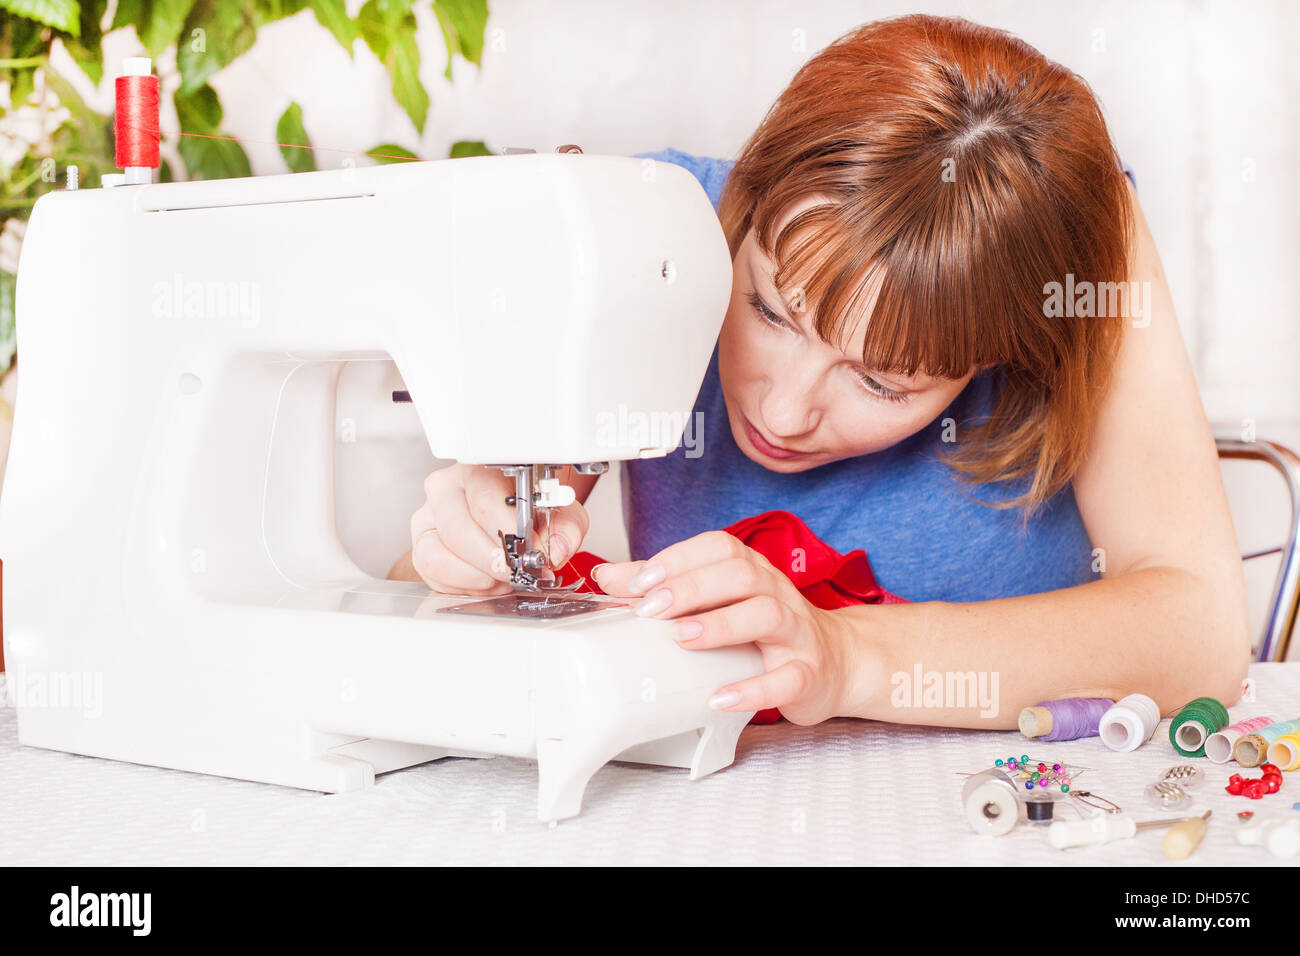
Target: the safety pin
(1087, 798)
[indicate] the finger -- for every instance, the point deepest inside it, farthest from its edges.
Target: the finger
(613, 577)
(775, 688)
(568, 529)
(703, 549)
(446, 573)
(462, 520)
(702, 589)
(763, 618)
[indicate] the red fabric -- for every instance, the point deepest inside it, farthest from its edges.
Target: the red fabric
(822, 575)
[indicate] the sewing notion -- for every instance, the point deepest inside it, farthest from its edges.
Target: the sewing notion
(1068, 719)
(1130, 723)
(1108, 827)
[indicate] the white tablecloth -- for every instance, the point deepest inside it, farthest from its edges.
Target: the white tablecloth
(843, 792)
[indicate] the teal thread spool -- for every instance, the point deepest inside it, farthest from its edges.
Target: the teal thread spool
(1194, 724)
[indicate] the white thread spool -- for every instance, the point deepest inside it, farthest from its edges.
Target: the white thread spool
(991, 803)
(1130, 723)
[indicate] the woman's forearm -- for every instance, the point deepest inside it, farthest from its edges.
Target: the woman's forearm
(1162, 632)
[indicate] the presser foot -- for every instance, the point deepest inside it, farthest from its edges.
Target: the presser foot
(538, 492)
(530, 571)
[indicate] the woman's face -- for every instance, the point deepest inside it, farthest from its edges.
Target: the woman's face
(794, 402)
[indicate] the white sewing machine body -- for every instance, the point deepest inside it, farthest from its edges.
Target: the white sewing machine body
(168, 521)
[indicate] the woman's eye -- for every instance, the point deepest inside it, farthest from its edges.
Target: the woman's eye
(880, 391)
(766, 314)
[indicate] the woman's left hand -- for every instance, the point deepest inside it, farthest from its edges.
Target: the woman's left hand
(720, 592)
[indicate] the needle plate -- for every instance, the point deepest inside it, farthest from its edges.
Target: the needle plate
(531, 607)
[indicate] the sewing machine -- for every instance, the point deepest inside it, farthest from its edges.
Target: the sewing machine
(167, 523)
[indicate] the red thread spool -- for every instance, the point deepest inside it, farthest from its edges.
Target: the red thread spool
(135, 123)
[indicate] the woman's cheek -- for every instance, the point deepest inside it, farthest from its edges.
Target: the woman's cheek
(875, 425)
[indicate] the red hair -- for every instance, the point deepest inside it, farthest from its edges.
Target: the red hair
(962, 173)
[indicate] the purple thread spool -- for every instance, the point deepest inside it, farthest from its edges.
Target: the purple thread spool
(1069, 719)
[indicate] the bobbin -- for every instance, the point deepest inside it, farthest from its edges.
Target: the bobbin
(991, 803)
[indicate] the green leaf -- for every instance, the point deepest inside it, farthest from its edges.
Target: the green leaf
(21, 39)
(93, 131)
(268, 11)
(404, 66)
(213, 158)
(291, 130)
(63, 15)
(128, 14)
(333, 16)
(388, 27)
(469, 147)
(463, 24)
(200, 111)
(86, 49)
(226, 32)
(8, 282)
(390, 153)
(207, 158)
(157, 22)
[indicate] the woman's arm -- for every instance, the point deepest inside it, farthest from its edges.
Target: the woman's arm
(1169, 617)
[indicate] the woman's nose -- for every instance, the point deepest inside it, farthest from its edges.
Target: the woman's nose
(790, 407)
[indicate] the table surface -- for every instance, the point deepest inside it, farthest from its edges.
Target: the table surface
(843, 792)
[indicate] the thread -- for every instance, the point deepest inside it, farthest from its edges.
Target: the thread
(266, 142)
(1251, 749)
(991, 803)
(1067, 719)
(1193, 724)
(135, 115)
(1040, 809)
(1219, 746)
(1130, 723)
(1285, 751)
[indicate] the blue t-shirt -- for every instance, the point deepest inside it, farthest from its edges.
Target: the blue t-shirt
(926, 535)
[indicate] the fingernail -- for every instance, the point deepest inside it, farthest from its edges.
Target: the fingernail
(728, 698)
(559, 549)
(655, 603)
(595, 572)
(688, 630)
(647, 578)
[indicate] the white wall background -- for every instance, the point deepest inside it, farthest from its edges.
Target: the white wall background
(1202, 96)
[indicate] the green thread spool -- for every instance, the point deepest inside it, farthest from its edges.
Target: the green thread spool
(1194, 724)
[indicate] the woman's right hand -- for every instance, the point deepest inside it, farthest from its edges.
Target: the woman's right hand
(454, 544)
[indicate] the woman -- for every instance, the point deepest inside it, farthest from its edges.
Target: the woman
(928, 354)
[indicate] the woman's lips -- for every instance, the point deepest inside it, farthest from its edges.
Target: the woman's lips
(766, 447)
